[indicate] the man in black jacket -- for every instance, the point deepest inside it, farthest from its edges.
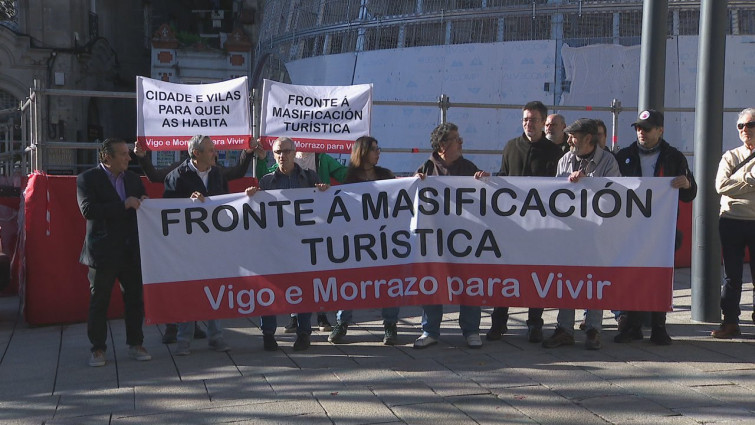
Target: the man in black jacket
(196, 178)
(156, 175)
(530, 154)
(288, 175)
(108, 197)
(651, 156)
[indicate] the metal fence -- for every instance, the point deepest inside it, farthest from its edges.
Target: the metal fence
(296, 29)
(33, 151)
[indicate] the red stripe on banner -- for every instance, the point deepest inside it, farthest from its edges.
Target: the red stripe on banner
(178, 143)
(626, 288)
(312, 145)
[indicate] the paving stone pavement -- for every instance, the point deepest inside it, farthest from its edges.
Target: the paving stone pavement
(44, 377)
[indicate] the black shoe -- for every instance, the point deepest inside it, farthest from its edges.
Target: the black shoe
(659, 336)
(269, 343)
(391, 334)
(535, 333)
(323, 323)
(293, 324)
(339, 331)
(171, 330)
(629, 334)
(199, 333)
(496, 332)
(302, 342)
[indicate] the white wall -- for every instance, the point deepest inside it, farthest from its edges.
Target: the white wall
(514, 73)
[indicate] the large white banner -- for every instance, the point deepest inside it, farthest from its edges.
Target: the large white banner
(169, 114)
(317, 118)
(516, 241)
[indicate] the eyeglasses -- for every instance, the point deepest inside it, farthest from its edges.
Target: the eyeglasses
(742, 125)
(375, 149)
(283, 152)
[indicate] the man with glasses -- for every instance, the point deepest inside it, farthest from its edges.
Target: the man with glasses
(288, 175)
(651, 156)
(735, 182)
(530, 154)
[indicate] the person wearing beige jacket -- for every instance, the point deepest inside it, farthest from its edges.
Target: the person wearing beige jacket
(735, 182)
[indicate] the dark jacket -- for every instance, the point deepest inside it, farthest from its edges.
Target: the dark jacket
(435, 166)
(671, 163)
(278, 180)
(111, 233)
(522, 158)
(183, 181)
(230, 173)
(356, 175)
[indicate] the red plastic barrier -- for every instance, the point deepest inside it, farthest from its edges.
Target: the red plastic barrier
(683, 256)
(57, 288)
(9, 206)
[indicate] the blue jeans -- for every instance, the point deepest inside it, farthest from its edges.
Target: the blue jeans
(593, 320)
(269, 324)
(469, 319)
(390, 315)
(186, 331)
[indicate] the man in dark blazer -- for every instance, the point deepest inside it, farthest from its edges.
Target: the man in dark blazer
(108, 197)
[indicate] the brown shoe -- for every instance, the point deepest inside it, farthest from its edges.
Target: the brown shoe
(592, 342)
(726, 331)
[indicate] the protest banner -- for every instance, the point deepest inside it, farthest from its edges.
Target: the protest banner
(317, 118)
(602, 243)
(169, 114)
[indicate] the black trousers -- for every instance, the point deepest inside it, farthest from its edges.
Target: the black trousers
(534, 316)
(101, 281)
(736, 235)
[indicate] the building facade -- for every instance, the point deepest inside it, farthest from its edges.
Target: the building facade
(72, 48)
(575, 55)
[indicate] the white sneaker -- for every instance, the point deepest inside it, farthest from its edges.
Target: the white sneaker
(139, 353)
(97, 358)
(425, 341)
(474, 341)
